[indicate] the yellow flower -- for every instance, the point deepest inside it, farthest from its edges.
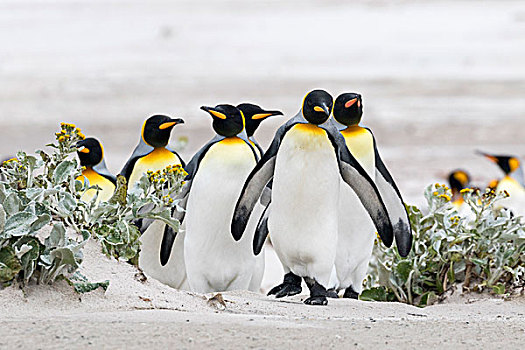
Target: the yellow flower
(466, 190)
(435, 193)
(61, 139)
(445, 197)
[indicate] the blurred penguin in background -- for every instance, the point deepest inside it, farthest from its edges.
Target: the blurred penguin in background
(512, 181)
(458, 180)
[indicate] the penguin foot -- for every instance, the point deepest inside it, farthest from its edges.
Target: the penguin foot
(351, 293)
(290, 286)
(332, 293)
(317, 293)
(285, 290)
(320, 300)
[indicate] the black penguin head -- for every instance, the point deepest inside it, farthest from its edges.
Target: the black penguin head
(157, 129)
(317, 106)
(458, 180)
(90, 152)
(254, 115)
(507, 163)
(348, 109)
(228, 121)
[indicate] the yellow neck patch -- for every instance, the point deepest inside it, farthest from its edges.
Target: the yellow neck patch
(158, 159)
(107, 187)
(361, 144)
(309, 128)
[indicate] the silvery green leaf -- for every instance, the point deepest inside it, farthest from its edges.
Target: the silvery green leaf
(67, 203)
(50, 191)
(12, 204)
(63, 171)
(34, 193)
(40, 222)
(19, 224)
(2, 217)
(57, 237)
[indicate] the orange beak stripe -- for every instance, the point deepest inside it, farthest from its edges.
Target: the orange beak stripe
(83, 150)
(318, 109)
(261, 115)
(217, 114)
(166, 125)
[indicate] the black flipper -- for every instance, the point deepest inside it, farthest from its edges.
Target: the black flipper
(168, 239)
(261, 232)
(394, 204)
(257, 180)
(357, 178)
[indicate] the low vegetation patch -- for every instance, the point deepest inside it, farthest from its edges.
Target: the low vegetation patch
(44, 224)
(480, 247)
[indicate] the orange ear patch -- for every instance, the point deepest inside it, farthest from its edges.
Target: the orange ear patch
(348, 104)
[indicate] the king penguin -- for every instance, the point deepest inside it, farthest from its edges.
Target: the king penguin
(152, 152)
(306, 159)
(253, 116)
(356, 229)
(91, 156)
(216, 174)
(512, 182)
(458, 180)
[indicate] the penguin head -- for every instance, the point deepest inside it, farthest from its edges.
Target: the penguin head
(157, 129)
(228, 121)
(348, 109)
(458, 180)
(317, 106)
(90, 152)
(507, 163)
(254, 115)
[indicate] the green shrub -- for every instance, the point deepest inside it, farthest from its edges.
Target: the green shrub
(481, 247)
(44, 224)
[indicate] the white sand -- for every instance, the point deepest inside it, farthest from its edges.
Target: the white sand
(134, 314)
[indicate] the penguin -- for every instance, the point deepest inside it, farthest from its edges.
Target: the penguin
(356, 229)
(306, 160)
(513, 182)
(458, 180)
(253, 116)
(152, 152)
(91, 155)
(216, 174)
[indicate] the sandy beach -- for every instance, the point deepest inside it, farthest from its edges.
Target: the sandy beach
(439, 80)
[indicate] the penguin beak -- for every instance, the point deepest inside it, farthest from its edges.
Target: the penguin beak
(488, 156)
(213, 112)
(83, 149)
(265, 115)
(323, 108)
(171, 123)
